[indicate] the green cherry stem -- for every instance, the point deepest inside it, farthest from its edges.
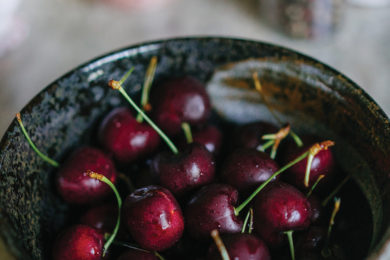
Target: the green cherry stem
(116, 85)
(40, 154)
(335, 191)
(245, 222)
(337, 202)
(291, 243)
(318, 146)
(250, 229)
(265, 146)
(296, 138)
(149, 77)
(314, 185)
(221, 247)
(187, 132)
(104, 179)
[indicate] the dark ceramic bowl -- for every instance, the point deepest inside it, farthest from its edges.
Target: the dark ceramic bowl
(311, 95)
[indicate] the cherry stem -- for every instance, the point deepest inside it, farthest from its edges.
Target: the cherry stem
(221, 247)
(40, 154)
(104, 179)
(250, 229)
(336, 208)
(308, 168)
(149, 77)
(314, 185)
(249, 199)
(265, 146)
(296, 138)
(187, 132)
(277, 137)
(245, 222)
(117, 85)
(335, 191)
(127, 180)
(291, 243)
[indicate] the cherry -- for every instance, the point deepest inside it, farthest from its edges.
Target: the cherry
(209, 136)
(153, 217)
(132, 254)
(322, 164)
(127, 139)
(183, 172)
(212, 207)
(316, 210)
(180, 100)
(100, 217)
(246, 168)
(79, 242)
(75, 186)
(249, 135)
(241, 247)
(312, 239)
(279, 208)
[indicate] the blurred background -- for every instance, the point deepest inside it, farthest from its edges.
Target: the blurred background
(41, 40)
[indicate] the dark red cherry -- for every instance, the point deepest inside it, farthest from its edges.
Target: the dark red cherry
(315, 209)
(191, 168)
(103, 218)
(127, 139)
(312, 239)
(323, 163)
(79, 242)
(212, 207)
(78, 188)
(134, 254)
(246, 168)
(209, 136)
(278, 208)
(153, 217)
(179, 100)
(241, 247)
(249, 135)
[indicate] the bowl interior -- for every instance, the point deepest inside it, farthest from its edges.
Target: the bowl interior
(308, 94)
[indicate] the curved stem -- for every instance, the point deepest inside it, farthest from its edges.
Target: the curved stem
(250, 221)
(314, 185)
(291, 243)
(187, 132)
(265, 146)
(249, 199)
(296, 138)
(158, 255)
(149, 77)
(326, 251)
(308, 168)
(104, 179)
(221, 247)
(40, 154)
(116, 85)
(245, 222)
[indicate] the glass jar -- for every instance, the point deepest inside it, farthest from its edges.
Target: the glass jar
(308, 19)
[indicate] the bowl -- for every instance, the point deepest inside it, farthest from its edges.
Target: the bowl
(299, 89)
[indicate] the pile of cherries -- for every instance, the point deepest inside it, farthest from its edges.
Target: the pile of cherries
(216, 195)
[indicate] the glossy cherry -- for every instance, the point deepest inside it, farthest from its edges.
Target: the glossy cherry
(191, 168)
(322, 164)
(241, 247)
(209, 136)
(79, 242)
(179, 100)
(212, 207)
(246, 168)
(127, 139)
(278, 208)
(249, 135)
(132, 254)
(153, 217)
(75, 186)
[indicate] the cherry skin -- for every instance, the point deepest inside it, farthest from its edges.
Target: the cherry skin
(312, 239)
(179, 100)
(153, 217)
(127, 139)
(212, 207)
(181, 173)
(75, 186)
(249, 135)
(133, 254)
(241, 247)
(79, 242)
(322, 164)
(315, 209)
(278, 208)
(102, 218)
(246, 168)
(209, 136)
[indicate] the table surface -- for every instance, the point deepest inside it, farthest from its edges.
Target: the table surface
(63, 34)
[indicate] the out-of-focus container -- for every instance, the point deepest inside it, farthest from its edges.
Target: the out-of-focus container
(307, 19)
(370, 3)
